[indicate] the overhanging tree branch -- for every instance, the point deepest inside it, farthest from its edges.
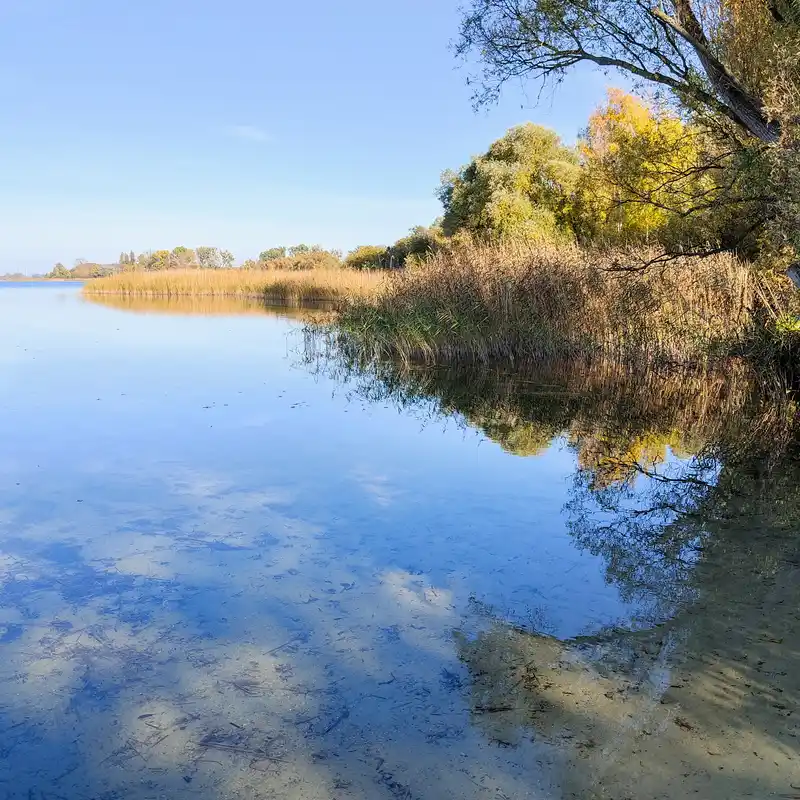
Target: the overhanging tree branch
(666, 46)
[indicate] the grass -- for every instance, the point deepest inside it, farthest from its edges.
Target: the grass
(288, 287)
(521, 302)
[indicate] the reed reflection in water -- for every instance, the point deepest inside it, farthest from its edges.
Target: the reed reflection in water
(208, 305)
(687, 487)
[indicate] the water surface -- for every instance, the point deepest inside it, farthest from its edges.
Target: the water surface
(230, 570)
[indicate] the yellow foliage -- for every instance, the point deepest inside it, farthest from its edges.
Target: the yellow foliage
(635, 180)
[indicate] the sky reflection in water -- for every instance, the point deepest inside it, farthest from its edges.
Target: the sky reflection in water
(227, 574)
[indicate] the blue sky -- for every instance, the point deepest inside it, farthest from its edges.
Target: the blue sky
(243, 124)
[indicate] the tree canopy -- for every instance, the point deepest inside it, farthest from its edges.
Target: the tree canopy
(639, 173)
(518, 187)
(366, 256)
(59, 271)
(718, 56)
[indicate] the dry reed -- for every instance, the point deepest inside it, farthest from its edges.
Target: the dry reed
(519, 301)
(291, 287)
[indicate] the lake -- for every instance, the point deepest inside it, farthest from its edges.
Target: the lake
(237, 561)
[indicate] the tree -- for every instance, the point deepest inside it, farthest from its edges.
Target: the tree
(520, 186)
(182, 258)
(60, 272)
(420, 242)
(306, 259)
(698, 50)
(366, 256)
(156, 260)
(302, 249)
(643, 173)
(731, 66)
(132, 257)
(209, 257)
(226, 259)
(123, 258)
(271, 253)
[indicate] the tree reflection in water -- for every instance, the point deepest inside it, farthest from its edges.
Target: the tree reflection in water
(687, 488)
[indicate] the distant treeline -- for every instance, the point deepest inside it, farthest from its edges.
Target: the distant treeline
(420, 241)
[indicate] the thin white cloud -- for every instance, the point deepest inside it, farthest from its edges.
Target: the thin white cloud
(249, 133)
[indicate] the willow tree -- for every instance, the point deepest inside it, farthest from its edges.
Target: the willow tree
(732, 65)
(521, 186)
(696, 49)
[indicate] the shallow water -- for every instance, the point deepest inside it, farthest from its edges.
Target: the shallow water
(228, 572)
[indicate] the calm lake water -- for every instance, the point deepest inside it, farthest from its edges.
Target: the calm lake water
(236, 564)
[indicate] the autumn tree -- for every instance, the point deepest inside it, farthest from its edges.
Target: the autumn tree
(643, 173)
(520, 186)
(732, 66)
(208, 257)
(715, 55)
(158, 260)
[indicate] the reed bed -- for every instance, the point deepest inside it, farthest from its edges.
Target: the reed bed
(516, 301)
(288, 287)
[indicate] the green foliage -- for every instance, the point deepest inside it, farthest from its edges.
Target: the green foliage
(420, 242)
(787, 325)
(366, 256)
(520, 187)
(730, 67)
(182, 258)
(305, 259)
(59, 271)
(158, 260)
(272, 253)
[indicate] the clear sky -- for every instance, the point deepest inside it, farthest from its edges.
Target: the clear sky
(237, 123)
